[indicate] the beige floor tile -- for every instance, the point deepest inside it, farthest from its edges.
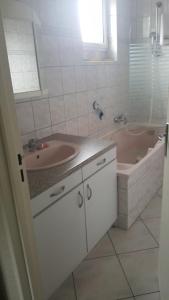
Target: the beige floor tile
(154, 296)
(141, 269)
(153, 210)
(136, 238)
(154, 226)
(101, 279)
(103, 248)
(66, 291)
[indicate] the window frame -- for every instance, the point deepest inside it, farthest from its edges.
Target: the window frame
(105, 30)
(100, 52)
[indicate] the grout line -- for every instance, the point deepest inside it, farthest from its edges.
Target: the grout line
(137, 251)
(150, 232)
(124, 273)
(132, 297)
(118, 254)
(74, 285)
(128, 298)
(99, 257)
(150, 293)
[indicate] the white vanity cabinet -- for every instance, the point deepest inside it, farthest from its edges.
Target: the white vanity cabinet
(61, 239)
(100, 191)
(72, 216)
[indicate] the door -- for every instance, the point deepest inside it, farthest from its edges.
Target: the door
(101, 203)
(61, 239)
(164, 239)
(15, 209)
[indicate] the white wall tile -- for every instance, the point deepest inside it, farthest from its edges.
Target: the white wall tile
(101, 76)
(43, 132)
(70, 106)
(67, 51)
(82, 103)
(25, 117)
(68, 77)
(60, 128)
(80, 73)
(93, 123)
(48, 50)
(57, 109)
(83, 126)
(91, 77)
(72, 127)
(41, 114)
(54, 81)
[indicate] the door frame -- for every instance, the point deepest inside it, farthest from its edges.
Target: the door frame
(164, 229)
(14, 195)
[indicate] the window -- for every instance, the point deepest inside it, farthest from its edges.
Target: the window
(22, 55)
(98, 24)
(91, 21)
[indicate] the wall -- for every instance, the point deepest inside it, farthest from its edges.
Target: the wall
(148, 75)
(71, 84)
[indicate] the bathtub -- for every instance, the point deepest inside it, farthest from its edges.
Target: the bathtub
(139, 169)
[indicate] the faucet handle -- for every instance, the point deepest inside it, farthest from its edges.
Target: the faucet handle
(32, 141)
(32, 144)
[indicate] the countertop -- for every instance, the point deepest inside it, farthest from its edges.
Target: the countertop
(90, 148)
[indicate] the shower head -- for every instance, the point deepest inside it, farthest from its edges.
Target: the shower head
(159, 4)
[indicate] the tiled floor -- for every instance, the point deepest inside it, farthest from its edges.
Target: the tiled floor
(124, 265)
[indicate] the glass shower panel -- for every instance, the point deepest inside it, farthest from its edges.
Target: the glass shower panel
(140, 81)
(149, 63)
(160, 86)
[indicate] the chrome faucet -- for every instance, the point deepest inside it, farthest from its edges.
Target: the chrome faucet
(32, 145)
(120, 118)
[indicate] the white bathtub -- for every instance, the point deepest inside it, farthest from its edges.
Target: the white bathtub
(140, 171)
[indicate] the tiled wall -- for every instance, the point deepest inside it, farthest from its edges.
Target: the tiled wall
(70, 85)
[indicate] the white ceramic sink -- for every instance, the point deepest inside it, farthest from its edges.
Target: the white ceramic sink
(56, 154)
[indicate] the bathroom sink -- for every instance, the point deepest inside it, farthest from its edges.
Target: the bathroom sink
(56, 154)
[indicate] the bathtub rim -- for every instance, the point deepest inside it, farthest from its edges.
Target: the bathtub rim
(159, 144)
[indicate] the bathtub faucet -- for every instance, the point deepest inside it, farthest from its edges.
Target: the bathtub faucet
(120, 118)
(161, 137)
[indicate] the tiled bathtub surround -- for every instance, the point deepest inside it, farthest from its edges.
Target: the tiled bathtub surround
(141, 181)
(70, 84)
(137, 186)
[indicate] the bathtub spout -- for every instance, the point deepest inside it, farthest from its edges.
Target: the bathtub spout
(120, 118)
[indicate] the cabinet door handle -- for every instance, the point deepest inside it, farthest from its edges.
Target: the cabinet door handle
(102, 162)
(89, 192)
(58, 192)
(80, 202)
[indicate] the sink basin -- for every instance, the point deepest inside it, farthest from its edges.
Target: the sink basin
(56, 154)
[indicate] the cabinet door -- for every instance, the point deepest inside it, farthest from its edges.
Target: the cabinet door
(61, 239)
(101, 203)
